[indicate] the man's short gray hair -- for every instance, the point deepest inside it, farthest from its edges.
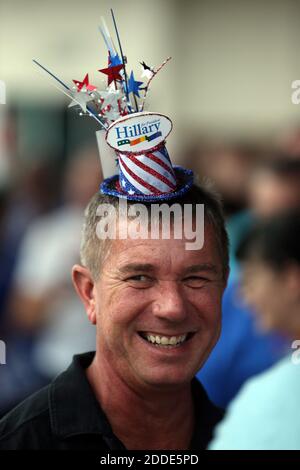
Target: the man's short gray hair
(93, 249)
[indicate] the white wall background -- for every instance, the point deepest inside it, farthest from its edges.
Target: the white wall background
(232, 68)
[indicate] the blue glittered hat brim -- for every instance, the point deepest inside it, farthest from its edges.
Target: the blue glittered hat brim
(184, 177)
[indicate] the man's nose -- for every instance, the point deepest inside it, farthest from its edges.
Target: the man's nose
(170, 303)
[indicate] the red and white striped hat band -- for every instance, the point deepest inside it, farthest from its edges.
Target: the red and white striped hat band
(147, 173)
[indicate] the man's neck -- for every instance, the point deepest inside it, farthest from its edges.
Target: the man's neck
(146, 418)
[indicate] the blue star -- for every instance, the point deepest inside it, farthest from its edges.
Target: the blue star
(133, 85)
(113, 61)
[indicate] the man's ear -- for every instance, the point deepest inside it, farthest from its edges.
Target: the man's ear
(84, 286)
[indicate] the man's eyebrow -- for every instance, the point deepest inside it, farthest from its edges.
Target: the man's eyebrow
(136, 267)
(142, 267)
(203, 267)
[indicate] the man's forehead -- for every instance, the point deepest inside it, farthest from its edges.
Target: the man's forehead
(154, 253)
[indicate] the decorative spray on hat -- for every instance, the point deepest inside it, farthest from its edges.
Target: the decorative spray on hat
(135, 162)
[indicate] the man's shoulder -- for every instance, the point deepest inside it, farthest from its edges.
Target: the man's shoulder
(28, 423)
(51, 417)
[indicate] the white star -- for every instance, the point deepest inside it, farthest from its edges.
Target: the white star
(123, 183)
(147, 73)
(130, 192)
(110, 97)
(80, 99)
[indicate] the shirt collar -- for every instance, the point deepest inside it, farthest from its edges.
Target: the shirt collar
(74, 409)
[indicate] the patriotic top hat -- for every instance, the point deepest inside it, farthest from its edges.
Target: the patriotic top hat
(145, 168)
(133, 138)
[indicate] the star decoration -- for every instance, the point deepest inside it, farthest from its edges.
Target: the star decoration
(81, 99)
(131, 192)
(111, 114)
(148, 72)
(133, 85)
(113, 73)
(115, 98)
(84, 85)
(110, 98)
(113, 61)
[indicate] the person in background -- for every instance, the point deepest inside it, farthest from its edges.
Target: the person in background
(42, 302)
(243, 350)
(275, 185)
(31, 193)
(265, 414)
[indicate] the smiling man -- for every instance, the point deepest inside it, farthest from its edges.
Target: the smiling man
(156, 307)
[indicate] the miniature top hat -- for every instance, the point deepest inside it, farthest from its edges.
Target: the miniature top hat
(134, 139)
(145, 168)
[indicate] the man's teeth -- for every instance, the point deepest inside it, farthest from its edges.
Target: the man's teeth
(164, 341)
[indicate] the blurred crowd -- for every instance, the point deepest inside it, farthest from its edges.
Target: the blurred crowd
(42, 320)
(41, 207)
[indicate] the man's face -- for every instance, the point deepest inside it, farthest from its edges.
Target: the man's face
(156, 291)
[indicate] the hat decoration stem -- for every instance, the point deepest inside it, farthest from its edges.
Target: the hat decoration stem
(121, 51)
(91, 112)
(154, 73)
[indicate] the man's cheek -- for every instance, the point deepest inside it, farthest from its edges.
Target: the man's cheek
(111, 342)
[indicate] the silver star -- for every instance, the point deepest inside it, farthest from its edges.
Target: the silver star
(111, 115)
(110, 98)
(80, 99)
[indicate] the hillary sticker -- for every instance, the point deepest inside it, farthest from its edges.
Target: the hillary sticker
(138, 132)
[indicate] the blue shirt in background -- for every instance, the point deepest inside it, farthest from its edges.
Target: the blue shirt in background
(241, 352)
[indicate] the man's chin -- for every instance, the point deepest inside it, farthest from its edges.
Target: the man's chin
(168, 379)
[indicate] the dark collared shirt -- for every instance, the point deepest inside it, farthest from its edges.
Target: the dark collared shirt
(66, 415)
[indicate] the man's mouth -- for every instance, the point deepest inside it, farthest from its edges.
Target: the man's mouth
(165, 341)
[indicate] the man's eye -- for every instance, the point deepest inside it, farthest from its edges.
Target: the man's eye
(139, 278)
(195, 281)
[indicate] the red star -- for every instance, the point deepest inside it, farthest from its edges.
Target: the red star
(85, 83)
(113, 73)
